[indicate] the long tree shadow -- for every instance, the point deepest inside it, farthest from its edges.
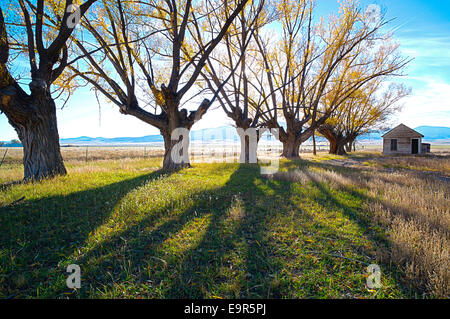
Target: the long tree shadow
(37, 234)
(203, 267)
(362, 177)
(372, 229)
(220, 245)
(233, 256)
(214, 241)
(228, 220)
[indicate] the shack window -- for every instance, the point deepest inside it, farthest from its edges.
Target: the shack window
(394, 145)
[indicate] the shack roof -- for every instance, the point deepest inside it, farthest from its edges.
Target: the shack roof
(402, 131)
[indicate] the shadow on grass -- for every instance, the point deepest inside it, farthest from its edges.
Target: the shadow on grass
(372, 229)
(136, 259)
(221, 245)
(233, 255)
(37, 234)
(365, 175)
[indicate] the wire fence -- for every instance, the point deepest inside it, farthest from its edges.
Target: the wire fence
(14, 155)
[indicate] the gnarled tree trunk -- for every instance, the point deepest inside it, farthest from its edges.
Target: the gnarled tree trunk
(175, 151)
(293, 136)
(175, 132)
(249, 139)
(337, 146)
(33, 115)
(174, 125)
(41, 150)
(351, 146)
(34, 119)
(291, 147)
(337, 140)
(348, 147)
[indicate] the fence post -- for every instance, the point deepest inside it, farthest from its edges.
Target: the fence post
(86, 154)
(4, 155)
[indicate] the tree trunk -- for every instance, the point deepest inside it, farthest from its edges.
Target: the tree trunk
(291, 148)
(314, 143)
(341, 149)
(337, 146)
(175, 126)
(41, 151)
(348, 147)
(38, 133)
(249, 144)
(337, 141)
(171, 149)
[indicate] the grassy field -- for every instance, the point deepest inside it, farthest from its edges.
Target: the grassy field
(225, 231)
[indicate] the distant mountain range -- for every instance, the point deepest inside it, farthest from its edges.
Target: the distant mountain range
(85, 140)
(434, 132)
(431, 133)
(211, 135)
(224, 133)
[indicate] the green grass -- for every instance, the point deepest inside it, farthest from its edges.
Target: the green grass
(211, 231)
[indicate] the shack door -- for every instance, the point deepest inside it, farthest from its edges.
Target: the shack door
(415, 146)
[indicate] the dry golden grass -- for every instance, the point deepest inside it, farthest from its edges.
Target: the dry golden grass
(414, 207)
(86, 154)
(438, 162)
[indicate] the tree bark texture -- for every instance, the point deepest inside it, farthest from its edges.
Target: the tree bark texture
(34, 119)
(291, 147)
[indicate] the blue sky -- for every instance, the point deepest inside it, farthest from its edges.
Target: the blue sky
(422, 28)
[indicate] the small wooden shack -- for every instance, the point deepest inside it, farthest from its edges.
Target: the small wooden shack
(404, 140)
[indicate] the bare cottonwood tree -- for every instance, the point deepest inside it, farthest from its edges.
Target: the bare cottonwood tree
(314, 61)
(32, 111)
(136, 55)
(366, 109)
(239, 99)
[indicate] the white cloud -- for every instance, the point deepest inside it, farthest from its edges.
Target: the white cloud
(428, 105)
(430, 50)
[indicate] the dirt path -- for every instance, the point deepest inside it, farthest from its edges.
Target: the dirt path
(356, 162)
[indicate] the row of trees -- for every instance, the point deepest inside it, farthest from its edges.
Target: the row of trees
(267, 63)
